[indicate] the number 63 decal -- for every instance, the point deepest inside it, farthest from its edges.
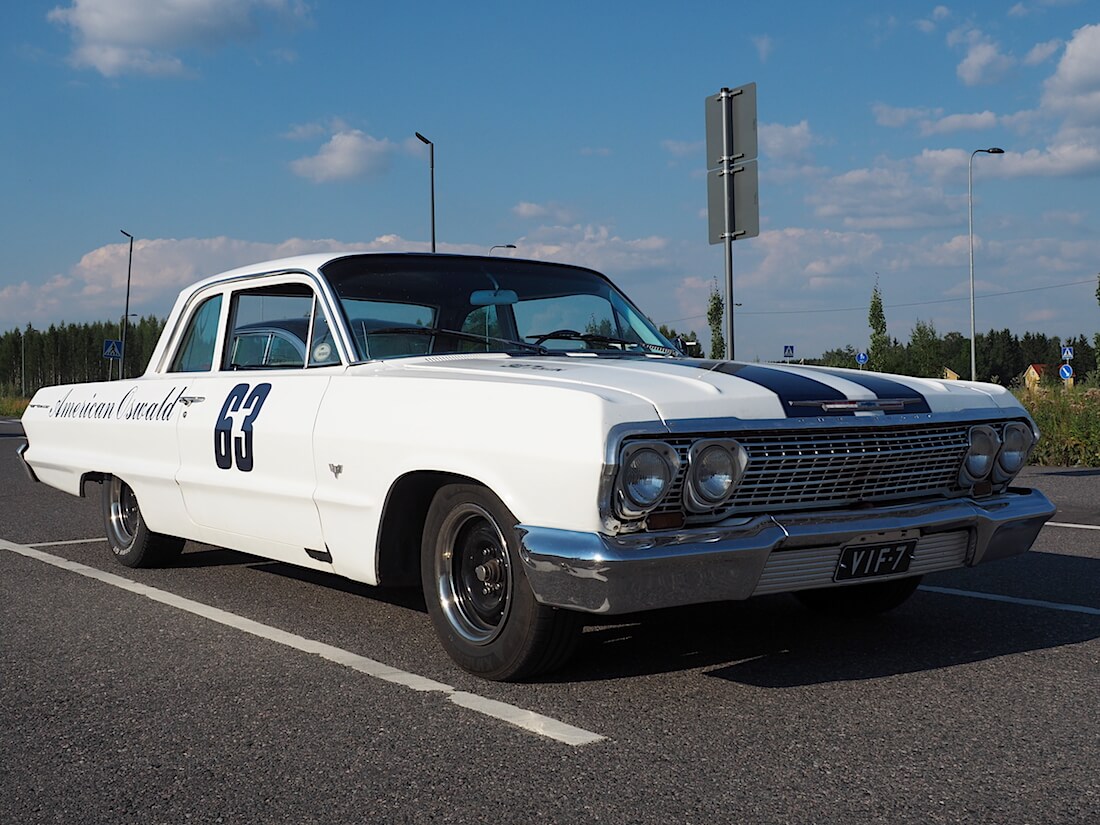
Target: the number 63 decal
(230, 448)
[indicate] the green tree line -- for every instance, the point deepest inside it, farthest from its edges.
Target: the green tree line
(1000, 356)
(71, 353)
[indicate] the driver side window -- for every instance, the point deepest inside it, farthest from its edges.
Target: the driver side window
(196, 351)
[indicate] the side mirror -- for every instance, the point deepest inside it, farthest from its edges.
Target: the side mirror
(493, 297)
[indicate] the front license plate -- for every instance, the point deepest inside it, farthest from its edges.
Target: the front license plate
(864, 561)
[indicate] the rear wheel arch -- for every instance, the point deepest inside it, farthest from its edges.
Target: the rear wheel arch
(95, 477)
(129, 538)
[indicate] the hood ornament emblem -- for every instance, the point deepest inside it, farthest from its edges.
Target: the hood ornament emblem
(866, 405)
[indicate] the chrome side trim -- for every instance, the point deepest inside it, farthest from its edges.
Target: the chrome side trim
(19, 451)
(604, 574)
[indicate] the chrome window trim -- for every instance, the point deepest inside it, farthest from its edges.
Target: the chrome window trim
(226, 285)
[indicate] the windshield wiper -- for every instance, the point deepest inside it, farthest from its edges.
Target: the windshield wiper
(454, 333)
(596, 338)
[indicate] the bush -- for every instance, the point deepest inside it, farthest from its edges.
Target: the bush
(11, 407)
(1069, 420)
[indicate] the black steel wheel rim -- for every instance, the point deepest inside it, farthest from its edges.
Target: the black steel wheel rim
(474, 574)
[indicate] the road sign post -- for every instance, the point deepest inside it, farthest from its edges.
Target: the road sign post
(732, 180)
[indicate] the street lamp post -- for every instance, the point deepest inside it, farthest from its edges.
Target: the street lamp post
(501, 246)
(431, 164)
(993, 150)
(126, 312)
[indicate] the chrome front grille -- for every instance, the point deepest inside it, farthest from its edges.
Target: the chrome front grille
(798, 469)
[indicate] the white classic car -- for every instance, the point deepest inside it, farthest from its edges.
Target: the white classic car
(517, 438)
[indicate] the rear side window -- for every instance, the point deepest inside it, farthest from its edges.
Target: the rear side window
(196, 352)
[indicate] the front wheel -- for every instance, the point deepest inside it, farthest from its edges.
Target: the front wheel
(859, 600)
(132, 542)
(482, 607)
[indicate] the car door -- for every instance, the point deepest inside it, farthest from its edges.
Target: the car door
(245, 438)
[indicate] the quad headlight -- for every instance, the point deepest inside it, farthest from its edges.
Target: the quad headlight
(984, 445)
(648, 470)
(996, 458)
(714, 470)
(1016, 442)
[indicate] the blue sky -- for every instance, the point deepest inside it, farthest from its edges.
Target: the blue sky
(222, 132)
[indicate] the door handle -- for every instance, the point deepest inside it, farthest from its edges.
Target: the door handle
(188, 400)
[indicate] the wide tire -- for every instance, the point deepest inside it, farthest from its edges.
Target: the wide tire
(859, 600)
(480, 602)
(131, 541)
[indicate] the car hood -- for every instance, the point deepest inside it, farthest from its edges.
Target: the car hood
(685, 388)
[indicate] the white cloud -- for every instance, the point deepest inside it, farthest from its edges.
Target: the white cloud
(1074, 89)
(93, 288)
(304, 131)
(594, 246)
(1041, 51)
(116, 37)
(347, 154)
(959, 123)
(790, 143)
(928, 24)
(536, 211)
(1058, 160)
(894, 116)
(984, 62)
(882, 199)
(685, 148)
(764, 46)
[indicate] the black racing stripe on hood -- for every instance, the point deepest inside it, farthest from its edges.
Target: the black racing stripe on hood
(790, 388)
(884, 388)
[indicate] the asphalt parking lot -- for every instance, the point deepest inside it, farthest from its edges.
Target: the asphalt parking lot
(231, 689)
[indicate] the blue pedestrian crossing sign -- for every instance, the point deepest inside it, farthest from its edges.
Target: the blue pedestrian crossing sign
(788, 351)
(1065, 372)
(112, 349)
(1067, 353)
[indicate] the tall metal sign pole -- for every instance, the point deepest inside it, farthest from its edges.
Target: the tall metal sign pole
(733, 184)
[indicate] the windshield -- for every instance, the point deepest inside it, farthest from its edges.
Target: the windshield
(397, 305)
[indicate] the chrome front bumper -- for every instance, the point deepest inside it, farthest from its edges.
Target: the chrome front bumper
(22, 448)
(595, 573)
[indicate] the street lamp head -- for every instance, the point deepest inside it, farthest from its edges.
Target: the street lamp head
(423, 139)
(127, 234)
(501, 246)
(995, 150)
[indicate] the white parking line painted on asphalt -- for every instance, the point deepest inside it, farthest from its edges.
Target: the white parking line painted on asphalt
(525, 719)
(70, 541)
(1074, 526)
(996, 597)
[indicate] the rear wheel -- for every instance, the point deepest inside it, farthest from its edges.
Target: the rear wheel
(482, 607)
(132, 542)
(859, 600)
